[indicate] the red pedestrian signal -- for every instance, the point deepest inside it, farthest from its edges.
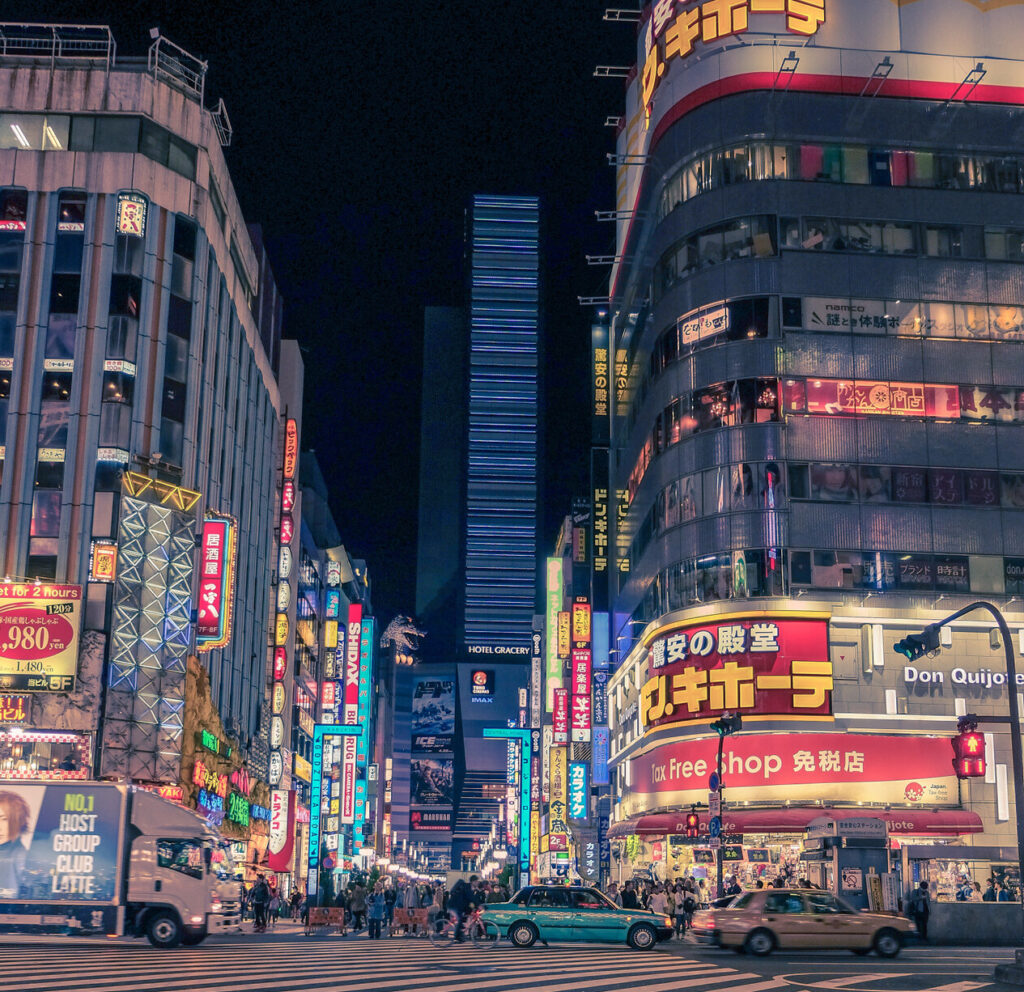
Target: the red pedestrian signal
(692, 825)
(969, 752)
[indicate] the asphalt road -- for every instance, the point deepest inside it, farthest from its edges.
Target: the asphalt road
(286, 961)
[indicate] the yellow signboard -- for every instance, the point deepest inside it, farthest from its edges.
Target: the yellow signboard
(39, 625)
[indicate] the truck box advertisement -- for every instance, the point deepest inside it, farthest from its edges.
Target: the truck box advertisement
(60, 853)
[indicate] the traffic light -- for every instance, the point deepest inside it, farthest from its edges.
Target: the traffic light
(913, 646)
(968, 750)
(692, 825)
(727, 725)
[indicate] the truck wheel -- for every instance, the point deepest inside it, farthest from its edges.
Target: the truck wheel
(164, 930)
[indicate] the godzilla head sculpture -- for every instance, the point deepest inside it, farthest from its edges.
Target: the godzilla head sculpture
(403, 633)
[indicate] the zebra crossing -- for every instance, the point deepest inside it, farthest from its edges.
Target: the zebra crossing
(326, 964)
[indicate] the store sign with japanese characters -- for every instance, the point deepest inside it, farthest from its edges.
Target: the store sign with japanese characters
(764, 667)
(216, 582)
(901, 770)
(676, 28)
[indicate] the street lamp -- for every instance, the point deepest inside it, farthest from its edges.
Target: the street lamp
(913, 646)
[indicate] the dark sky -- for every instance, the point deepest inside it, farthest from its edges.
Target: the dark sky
(361, 130)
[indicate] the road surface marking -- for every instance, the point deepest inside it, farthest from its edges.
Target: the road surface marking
(848, 980)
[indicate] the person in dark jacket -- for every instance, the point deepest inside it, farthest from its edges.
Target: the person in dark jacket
(629, 899)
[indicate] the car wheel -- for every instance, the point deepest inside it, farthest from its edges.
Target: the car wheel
(522, 934)
(642, 938)
(164, 930)
(887, 943)
(759, 942)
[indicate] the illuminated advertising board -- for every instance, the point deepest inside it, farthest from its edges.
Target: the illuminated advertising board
(217, 567)
(580, 623)
(536, 678)
(366, 640)
(349, 750)
(39, 625)
(553, 605)
(579, 791)
(601, 644)
(756, 667)
(282, 830)
(102, 561)
(433, 714)
(291, 455)
(130, 214)
(558, 828)
(564, 633)
(601, 753)
(560, 717)
(600, 393)
(14, 709)
(845, 768)
(580, 710)
(351, 700)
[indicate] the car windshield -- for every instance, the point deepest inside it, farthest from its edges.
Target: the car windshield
(740, 901)
(592, 899)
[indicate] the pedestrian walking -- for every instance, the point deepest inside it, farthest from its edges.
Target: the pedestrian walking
(629, 898)
(341, 901)
(260, 902)
(357, 907)
(274, 908)
(295, 903)
(375, 910)
(920, 908)
(390, 900)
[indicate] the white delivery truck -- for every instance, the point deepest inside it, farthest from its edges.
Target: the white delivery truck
(95, 857)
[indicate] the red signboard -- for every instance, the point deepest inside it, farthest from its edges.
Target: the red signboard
(351, 700)
(560, 716)
(287, 528)
(844, 768)
(762, 666)
(288, 497)
(291, 448)
(14, 709)
(214, 567)
(581, 623)
(580, 718)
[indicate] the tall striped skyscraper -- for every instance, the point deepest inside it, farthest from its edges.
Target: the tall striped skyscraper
(502, 466)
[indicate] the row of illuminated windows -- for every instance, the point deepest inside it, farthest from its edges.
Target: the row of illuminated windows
(760, 237)
(743, 319)
(98, 133)
(747, 401)
(760, 572)
(766, 485)
(840, 163)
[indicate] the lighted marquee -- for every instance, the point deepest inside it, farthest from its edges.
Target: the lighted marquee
(673, 33)
(217, 567)
(759, 666)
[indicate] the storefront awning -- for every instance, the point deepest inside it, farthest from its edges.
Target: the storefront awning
(795, 819)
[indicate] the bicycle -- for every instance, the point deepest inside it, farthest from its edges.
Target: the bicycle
(483, 933)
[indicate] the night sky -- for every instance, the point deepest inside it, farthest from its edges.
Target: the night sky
(361, 130)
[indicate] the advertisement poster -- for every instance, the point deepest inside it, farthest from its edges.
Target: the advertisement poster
(843, 768)
(430, 781)
(39, 627)
(216, 582)
(433, 714)
(560, 717)
(59, 843)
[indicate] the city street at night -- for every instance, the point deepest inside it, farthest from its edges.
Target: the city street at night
(287, 961)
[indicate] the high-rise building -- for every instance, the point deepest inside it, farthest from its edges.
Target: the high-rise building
(816, 365)
(140, 416)
(479, 485)
(502, 464)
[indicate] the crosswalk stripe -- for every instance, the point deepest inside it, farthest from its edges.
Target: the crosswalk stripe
(412, 977)
(848, 980)
(958, 987)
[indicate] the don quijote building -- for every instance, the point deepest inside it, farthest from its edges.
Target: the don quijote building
(816, 327)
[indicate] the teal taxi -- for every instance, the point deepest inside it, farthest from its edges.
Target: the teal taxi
(562, 912)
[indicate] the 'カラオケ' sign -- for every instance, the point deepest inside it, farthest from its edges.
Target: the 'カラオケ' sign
(764, 666)
(39, 626)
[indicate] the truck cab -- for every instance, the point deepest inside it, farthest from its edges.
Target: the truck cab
(177, 892)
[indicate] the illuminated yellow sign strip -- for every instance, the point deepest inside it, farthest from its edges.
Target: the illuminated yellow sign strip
(158, 491)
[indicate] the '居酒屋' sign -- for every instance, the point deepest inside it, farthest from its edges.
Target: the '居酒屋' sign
(762, 666)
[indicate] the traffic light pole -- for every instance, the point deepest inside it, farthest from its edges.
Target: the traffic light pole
(1015, 730)
(721, 789)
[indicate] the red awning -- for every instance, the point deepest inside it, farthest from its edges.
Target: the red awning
(795, 819)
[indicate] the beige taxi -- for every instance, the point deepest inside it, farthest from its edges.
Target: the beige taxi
(806, 919)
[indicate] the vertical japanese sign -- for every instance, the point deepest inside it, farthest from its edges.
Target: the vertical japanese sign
(601, 381)
(350, 714)
(286, 533)
(580, 714)
(217, 567)
(601, 754)
(282, 830)
(560, 717)
(536, 678)
(579, 791)
(553, 605)
(558, 828)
